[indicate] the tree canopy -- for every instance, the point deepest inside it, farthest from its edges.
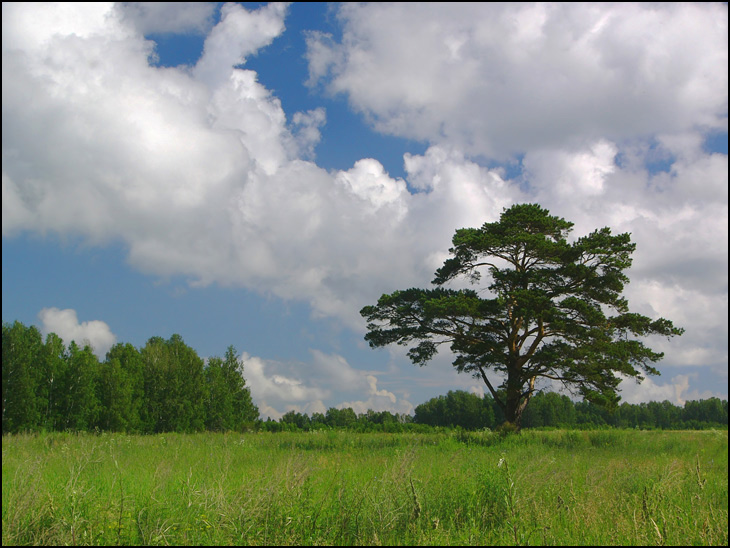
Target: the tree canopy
(551, 309)
(163, 387)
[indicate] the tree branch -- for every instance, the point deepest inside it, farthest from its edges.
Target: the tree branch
(500, 402)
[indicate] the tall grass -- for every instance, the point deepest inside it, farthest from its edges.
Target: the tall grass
(339, 488)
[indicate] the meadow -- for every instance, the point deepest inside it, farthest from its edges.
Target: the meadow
(560, 487)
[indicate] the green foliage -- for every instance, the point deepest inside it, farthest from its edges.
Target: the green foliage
(114, 392)
(467, 412)
(21, 403)
(122, 389)
(340, 417)
(553, 310)
(163, 387)
(78, 406)
(49, 387)
(457, 408)
(229, 404)
(550, 409)
(175, 383)
(507, 429)
(51, 362)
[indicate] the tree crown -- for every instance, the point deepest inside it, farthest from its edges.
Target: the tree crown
(552, 309)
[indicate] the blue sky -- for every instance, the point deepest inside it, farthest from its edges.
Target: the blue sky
(254, 174)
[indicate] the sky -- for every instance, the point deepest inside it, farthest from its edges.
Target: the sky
(254, 174)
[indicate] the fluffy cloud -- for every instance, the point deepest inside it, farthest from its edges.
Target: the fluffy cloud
(499, 79)
(239, 34)
(677, 391)
(65, 324)
(168, 17)
(278, 387)
(199, 173)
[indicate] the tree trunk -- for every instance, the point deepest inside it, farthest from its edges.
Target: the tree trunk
(516, 399)
(513, 410)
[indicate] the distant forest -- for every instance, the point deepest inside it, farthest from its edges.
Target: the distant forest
(162, 387)
(166, 387)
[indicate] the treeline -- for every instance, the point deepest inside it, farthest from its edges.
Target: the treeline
(162, 387)
(166, 387)
(334, 418)
(460, 409)
(549, 409)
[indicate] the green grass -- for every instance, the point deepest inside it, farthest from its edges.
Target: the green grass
(608, 487)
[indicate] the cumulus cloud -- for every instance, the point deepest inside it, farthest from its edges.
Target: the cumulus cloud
(272, 385)
(200, 172)
(65, 324)
(279, 387)
(169, 17)
(201, 175)
(676, 391)
(378, 400)
(505, 78)
(239, 34)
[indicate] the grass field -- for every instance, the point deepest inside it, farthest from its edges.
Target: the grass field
(608, 487)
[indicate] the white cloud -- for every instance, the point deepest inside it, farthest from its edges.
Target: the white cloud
(307, 131)
(379, 400)
(168, 17)
(676, 391)
(239, 34)
(271, 386)
(498, 79)
(572, 174)
(34, 28)
(65, 324)
(368, 180)
(278, 387)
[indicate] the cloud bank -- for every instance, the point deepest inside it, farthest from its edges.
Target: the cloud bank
(505, 78)
(303, 387)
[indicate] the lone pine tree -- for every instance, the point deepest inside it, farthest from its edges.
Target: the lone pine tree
(552, 309)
